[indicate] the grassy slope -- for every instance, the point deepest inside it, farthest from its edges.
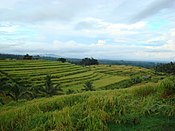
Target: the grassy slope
(136, 108)
(140, 107)
(70, 76)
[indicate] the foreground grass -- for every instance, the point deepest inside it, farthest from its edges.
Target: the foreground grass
(146, 107)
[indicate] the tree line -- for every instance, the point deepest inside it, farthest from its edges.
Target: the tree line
(166, 68)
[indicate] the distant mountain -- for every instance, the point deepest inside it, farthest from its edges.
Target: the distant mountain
(19, 57)
(50, 55)
(145, 64)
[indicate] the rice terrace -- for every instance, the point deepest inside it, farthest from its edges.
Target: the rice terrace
(123, 97)
(87, 65)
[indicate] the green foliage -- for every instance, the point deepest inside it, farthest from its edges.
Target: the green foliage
(61, 59)
(70, 91)
(4, 80)
(167, 87)
(89, 61)
(27, 57)
(16, 92)
(49, 89)
(90, 111)
(88, 86)
(136, 79)
(32, 73)
(84, 110)
(10, 87)
(123, 83)
(167, 68)
(145, 91)
(1, 101)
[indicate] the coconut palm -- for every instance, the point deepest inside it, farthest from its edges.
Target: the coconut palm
(88, 86)
(10, 87)
(49, 89)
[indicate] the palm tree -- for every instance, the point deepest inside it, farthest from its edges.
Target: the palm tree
(70, 91)
(88, 86)
(11, 87)
(16, 92)
(49, 89)
(3, 84)
(1, 101)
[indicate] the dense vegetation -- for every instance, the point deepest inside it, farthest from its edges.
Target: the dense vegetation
(76, 61)
(61, 60)
(166, 68)
(51, 95)
(145, 108)
(27, 57)
(145, 64)
(89, 61)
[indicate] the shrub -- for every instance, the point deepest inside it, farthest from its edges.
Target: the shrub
(61, 60)
(88, 86)
(136, 79)
(70, 91)
(49, 89)
(167, 87)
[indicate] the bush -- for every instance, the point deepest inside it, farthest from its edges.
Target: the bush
(136, 79)
(88, 86)
(61, 60)
(70, 91)
(167, 87)
(89, 61)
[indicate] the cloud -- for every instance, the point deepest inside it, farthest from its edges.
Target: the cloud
(101, 42)
(8, 28)
(163, 51)
(42, 10)
(69, 49)
(96, 26)
(99, 28)
(154, 8)
(101, 49)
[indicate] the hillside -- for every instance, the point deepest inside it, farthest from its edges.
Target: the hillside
(70, 76)
(126, 98)
(135, 108)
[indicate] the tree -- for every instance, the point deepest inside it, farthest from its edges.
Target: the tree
(61, 60)
(70, 91)
(166, 68)
(27, 57)
(88, 86)
(17, 92)
(1, 101)
(10, 87)
(49, 89)
(89, 61)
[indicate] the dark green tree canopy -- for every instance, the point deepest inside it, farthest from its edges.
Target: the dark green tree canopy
(88, 86)
(89, 61)
(12, 88)
(61, 60)
(27, 57)
(49, 89)
(166, 68)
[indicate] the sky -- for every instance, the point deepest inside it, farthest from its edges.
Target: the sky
(103, 29)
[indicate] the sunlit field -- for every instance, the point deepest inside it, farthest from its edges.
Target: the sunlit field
(124, 98)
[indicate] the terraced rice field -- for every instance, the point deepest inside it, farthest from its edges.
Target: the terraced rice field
(70, 76)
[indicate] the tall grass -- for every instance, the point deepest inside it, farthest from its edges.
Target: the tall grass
(88, 111)
(167, 87)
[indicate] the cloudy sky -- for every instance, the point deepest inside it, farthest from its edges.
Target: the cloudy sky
(106, 29)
